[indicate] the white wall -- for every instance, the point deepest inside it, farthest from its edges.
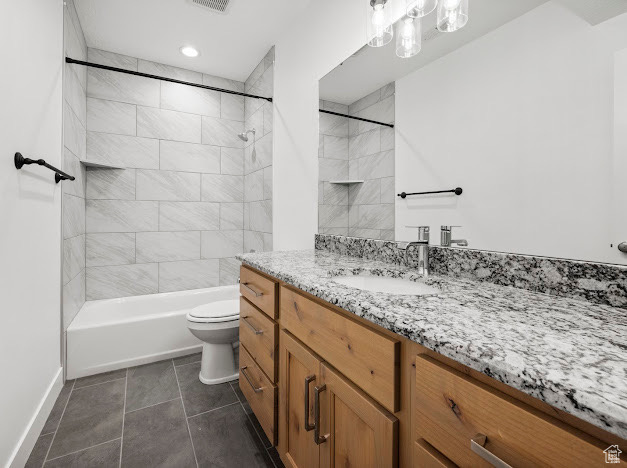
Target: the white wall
(522, 119)
(327, 33)
(30, 209)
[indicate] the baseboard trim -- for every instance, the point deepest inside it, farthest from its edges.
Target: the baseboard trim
(22, 451)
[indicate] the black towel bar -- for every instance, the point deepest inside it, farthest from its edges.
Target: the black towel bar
(59, 175)
(456, 191)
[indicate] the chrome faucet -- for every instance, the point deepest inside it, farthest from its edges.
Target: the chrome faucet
(446, 234)
(423, 245)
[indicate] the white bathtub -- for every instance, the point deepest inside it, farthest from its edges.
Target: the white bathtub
(111, 334)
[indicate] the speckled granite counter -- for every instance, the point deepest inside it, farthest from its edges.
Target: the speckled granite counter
(568, 353)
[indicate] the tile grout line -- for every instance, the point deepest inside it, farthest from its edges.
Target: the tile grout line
(58, 425)
(83, 449)
(155, 404)
(123, 417)
(213, 409)
(99, 383)
(189, 432)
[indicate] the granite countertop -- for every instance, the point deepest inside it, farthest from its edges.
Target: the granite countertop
(569, 353)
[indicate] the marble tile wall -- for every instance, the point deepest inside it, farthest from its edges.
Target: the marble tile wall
(333, 165)
(257, 181)
(172, 218)
(350, 149)
(74, 139)
(371, 158)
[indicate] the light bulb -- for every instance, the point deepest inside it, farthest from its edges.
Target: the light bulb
(452, 15)
(380, 30)
(408, 39)
(420, 8)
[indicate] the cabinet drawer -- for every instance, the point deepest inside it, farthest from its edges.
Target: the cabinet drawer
(425, 456)
(260, 393)
(259, 290)
(368, 358)
(462, 409)
(259, 334)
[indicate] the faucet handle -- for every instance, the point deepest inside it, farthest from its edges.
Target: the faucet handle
(423, 232)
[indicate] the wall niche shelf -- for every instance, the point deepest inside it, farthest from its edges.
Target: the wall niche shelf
(100, 165)
(346, 182)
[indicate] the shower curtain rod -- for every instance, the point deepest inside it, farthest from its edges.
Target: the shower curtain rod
(163, 78)
(357, 118)
(212, 88)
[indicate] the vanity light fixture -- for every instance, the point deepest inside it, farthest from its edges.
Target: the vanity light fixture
(380, 29)
(189, 51)
(452, 15)
(408, 37)
(420, 8)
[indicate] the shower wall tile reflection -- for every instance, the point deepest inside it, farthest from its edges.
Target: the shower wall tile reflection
(172, 218)
(355, 150)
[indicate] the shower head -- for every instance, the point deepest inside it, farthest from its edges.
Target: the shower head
(244, 136)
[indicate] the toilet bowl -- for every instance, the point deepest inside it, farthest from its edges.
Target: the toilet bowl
(217, 325)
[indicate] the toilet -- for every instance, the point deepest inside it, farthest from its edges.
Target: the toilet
(217, 325)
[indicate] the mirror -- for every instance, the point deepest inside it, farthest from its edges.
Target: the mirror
(524, 108)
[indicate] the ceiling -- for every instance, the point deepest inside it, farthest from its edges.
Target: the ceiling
(230, 44)
(371, 68)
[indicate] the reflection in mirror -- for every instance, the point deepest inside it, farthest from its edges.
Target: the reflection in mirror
(525, 108)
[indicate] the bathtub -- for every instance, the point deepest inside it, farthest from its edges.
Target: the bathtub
(112, 334)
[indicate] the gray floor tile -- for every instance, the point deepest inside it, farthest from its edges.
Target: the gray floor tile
(249, 411)
(189, 359)
(199, 397)
(101, 456)
(92, 416)
(57, 410)
(150, 384)
(157, 437)
(100, 378)
(225, 438)
(38, 455)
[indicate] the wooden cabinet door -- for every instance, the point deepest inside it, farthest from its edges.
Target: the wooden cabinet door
(357, 431)
(299, 369)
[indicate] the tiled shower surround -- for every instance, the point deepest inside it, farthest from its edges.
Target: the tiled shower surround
(74, 141)
(355, 150)
(258, 158)
(172, 216)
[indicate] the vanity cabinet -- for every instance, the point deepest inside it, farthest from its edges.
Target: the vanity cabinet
(259, 340)
(326, 420)
(383, 400)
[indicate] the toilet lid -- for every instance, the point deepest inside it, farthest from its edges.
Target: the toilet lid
(221, 311)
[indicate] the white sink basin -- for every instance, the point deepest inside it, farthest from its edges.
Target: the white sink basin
(387, 285)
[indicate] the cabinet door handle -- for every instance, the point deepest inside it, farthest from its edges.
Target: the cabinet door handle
(318, 439)
(252, 327)
(308, 380)
(251, 290)
(255, 389)
(477, 445)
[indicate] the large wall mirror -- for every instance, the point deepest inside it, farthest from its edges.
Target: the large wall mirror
(524, 108)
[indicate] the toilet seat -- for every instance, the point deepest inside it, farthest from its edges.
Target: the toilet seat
(215, 312)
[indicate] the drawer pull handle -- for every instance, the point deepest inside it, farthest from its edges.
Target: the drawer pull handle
(477, 445)
(251, 290)
(252, 327)
(318, 439)
(255, 389)
(308, 380)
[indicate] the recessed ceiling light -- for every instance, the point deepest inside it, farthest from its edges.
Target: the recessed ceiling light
(189, 51)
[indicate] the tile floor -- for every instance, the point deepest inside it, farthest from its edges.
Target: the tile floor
(156, 415)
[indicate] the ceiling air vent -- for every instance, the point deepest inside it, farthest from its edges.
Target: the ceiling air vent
(219, 6)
